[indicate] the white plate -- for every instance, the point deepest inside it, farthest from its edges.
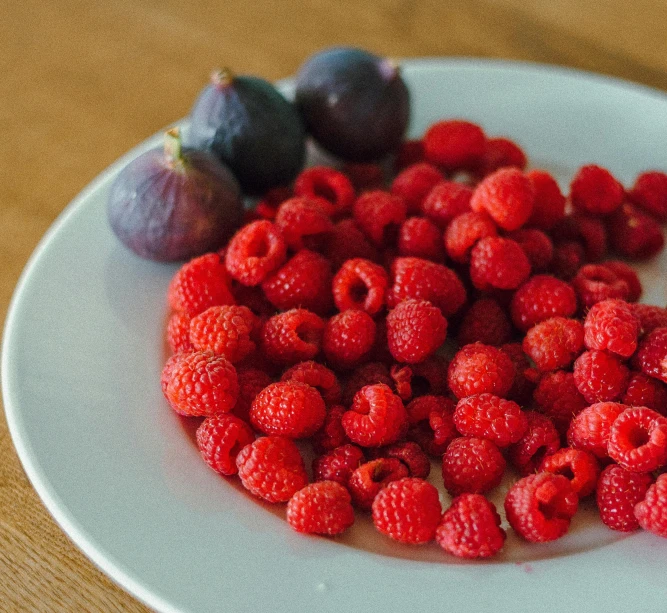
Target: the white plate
(81, 361)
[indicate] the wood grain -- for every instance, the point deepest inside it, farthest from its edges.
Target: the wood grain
(85, 80)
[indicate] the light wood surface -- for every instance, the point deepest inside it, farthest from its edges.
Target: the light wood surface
(84, 80)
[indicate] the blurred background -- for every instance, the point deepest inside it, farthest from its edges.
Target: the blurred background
(83, 81)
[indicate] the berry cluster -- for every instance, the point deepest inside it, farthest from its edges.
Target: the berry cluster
(464, 311)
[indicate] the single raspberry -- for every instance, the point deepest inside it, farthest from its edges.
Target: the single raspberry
(251, 382)
(618, 491)
(612, 325)
(539, 507)
(651, 512)
(498, 263)
(303, 222)
(225, 330)
(360, 284)
(407, 510)
(536, 245)
(377, 417)
(379, 214)
(549, 203)
(432, 419)
(327, 183)
(480, 369)
(267, 207)
(220, 437)
(541, 298)
(366, 481)
(367, 374)
(507, 196)
(635, 234)
(569, 257)
(650, 193)
(488, 416)
(338, 464)
(200, 383)
(420, 408)
(589, 232)
(348, 338)
(638, 440)
(600, 376)
(650, 317)
(347, 241)
(254, 298)
(200, 283)
(178, 332)
(651, 356)
(591, 428)
(324, 507)
(317, 376)
(484, 322)
(454, 144)
(525, 377)
(415, 330)
(580, 467)
(331, 434)
(472, 465)
(409, 152)
(554, 343)
(539, 440)
(272, 468)
(365, 176)
(594, 190)
(470, 528)
(594, 283)
(401, 375)
(421, 238)
(292, 336)
(411, 454)
(447, 200)
(430, 376)
(463, 233)
(414, 183)
(557, 396)
(644, 391)
(501, 152)
(626, 273)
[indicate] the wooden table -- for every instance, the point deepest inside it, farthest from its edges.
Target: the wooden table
(85, 80)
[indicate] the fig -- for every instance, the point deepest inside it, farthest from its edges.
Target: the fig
(355, 104)
(248, 124)
(173, 203)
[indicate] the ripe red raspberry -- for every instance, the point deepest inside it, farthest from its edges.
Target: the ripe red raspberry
(407, 510)
(367, 374)
(536, 245)
(650, 193)
(626, 273)
(225, 330)
(554, 343)
(557, 396)
(420, 408)
(618, 491)
(539, 507)
(569, 257)
(317, 376)
(498, 263)
(651, 512)
(612, 325)
(251, 382)
(348, 338)
(199, 284)
(479, 369)
(433, 423)
(594, 283)
(347, 241)
(470, 528)
(254, 298)
(589, 232)
(303, 222)
(415, 330)
(366, 481)
(327, 183)
(377, 417)
(178, 332)
(590, 429)
(414, 183)
(292, 336)
(650, 317)
(549, 203)
(379, 215)
(402, 377)
(635, 234)
(594, 190)
(500, 153)
(454, 144)
(272, 468)
(254, 252)
(579, 466)
(365, 176)
(638, 440)
(484, 322)
(304, 281)
(409, 152)
(421, 238)
(651, 356)
(447, 200)
(411, 454)
(267, 207)
(220, 437)
(338, 464)
(644, 391)
(430, 376)
(488, 416)
(423, 280)
(463, 233)
(539, 440)
(324, 507)
(360, 284)
(200, 383)
(472, 465)
(600, 376)
(331, 434)
(507, 195)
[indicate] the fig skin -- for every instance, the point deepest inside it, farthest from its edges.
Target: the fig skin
(248, 124)
(172, 204)
(355, 104)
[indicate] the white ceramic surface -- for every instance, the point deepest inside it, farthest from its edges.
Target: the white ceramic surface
(81, 360)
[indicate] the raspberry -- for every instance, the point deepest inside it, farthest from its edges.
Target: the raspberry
(447, 200)
(407, 510)
(549, 203)
(365, 176)
(463, 233)
(414, 183)
(539, 507)
(423, 280)
(590, 429)
(644, 391)
(366, 481)
(379, 214)
(412, 455)
(651, 357)
(224, 330)
(415, 330)
(488, 416)
(272, 468)
(557, 396)
(650, 193)
(484, 322)
(430, 376)
(600, 376)
(539, 440)
(589, 232)
(220, 437)
(377, 417)
(651, 512)
(331, 435)
(199, 284)
(554, 343)
(251, 382)
(367, 374)
(421, 408)
(472, 465)
(254, 298)
(618, 491)
(568, 258)
(338, 464)
(433, 423)
(579, 466)
(317, 376)
(650, 317)
(628, 274)
(267, 207)
(498, 263)
(324, 507)
(178, 332)
(500, 153)
(638, 440)
(360, 284)
(327, 183)
(612, 325)
(525, 376)
(470, 528)
(594, 190)
(507, 196)
(421, 238)
(292, 336)
(304, 281)
(409, 152)
(303, 222)
(200, 383)
(254, 252)
(541, 298)
(536, 245)
(635, 234)
(480, 369)
(594, 283)
(348, 338)
(454, 144)
(347, 241)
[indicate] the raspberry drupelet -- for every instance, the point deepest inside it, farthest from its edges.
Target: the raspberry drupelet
(479, 369)
(379, 214)
(348, 338)
(618, 491)
(651, 512)
(454, 144)
(414, 183)
(447, 200)
(225, 330)
(638, 440)
(360, 284)
(326, 183)
(498, 263)
(303, 222)
(220, 437)
(472, 465)
(292, 336)
(366, 481)
(323, 508)
(554, 343)
(254, 252)
(463, 233)
(579, 466)
(541, 298)
(415, 330)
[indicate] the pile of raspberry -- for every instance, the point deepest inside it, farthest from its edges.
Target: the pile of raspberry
(461, 316)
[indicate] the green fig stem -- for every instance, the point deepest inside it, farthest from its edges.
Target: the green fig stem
(222, 77)
(172, 145)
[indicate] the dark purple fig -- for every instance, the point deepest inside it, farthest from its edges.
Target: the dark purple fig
(172, 203)
(355, 104)
(252, 128)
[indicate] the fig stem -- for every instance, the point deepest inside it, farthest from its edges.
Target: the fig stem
(172, 145)
(222, 77)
